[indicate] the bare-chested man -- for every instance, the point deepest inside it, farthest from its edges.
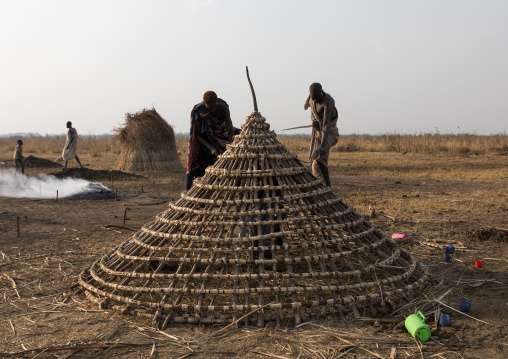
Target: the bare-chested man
(325, 133)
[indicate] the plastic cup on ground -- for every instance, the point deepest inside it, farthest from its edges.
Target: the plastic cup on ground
(446, 249)
(451, 248)
(478, 264)
(444, 320)
(447, 258)
(399, 235)
(465, 306)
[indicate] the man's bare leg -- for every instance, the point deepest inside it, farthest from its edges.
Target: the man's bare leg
(324, 172)
(321, 170)
(65, 164)
(77, 159)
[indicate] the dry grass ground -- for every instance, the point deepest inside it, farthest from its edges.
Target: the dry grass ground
(442, 195)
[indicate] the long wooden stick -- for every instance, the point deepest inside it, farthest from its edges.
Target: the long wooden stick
(295, 128)
(38, 256)
(81, 346)
(252, 90)
(458, 311)
(13, 284)
(236, 321)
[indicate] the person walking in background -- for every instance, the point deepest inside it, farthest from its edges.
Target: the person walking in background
(211, 129)
(69, 151)
(325, 133)
(18, 158)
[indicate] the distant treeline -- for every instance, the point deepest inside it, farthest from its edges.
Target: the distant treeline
(96, 145)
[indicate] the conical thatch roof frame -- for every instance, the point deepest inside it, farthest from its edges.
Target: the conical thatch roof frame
(148, 144)
(256, 238)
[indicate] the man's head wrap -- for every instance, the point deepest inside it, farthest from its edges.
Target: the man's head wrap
(315, 88)
(209, 97)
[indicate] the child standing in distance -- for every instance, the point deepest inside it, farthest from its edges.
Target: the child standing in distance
(18, 157)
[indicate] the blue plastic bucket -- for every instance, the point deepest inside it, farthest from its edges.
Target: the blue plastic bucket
(444, 320)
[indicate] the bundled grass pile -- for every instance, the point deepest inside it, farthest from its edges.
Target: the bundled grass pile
(148, 144)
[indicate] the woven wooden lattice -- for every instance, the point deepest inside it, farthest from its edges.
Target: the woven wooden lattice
(256, 234)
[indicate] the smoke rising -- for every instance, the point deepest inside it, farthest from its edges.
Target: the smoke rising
(45, 186)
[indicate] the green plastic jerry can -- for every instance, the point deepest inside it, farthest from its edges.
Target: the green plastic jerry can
(415, 325)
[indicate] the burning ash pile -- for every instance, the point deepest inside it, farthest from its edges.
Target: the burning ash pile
(93, 192)
(46, 186)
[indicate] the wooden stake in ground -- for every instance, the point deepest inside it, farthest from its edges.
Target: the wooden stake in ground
(372, 212)
(125, 215)
(17, 225)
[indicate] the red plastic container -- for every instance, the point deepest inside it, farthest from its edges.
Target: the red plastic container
(478, 264)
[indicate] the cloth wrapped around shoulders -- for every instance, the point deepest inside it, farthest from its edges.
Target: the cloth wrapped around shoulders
(214, 130)
(69, 153)
(317, 135)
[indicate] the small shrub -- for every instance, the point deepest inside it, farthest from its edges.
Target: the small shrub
(96, 149)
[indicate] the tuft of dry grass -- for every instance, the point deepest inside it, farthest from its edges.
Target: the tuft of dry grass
(96, 149)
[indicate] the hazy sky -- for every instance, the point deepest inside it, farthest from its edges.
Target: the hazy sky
(392, 66)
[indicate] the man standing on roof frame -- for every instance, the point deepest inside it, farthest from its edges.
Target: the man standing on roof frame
(325, 133)
(210, 131)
